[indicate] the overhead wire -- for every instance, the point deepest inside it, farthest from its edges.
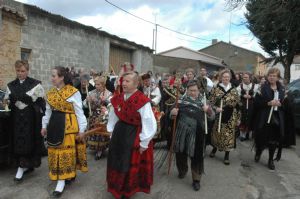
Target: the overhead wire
(164, 27)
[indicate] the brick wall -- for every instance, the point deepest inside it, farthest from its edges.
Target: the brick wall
(10, 37)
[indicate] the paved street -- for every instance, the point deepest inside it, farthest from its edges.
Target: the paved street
(243, 179)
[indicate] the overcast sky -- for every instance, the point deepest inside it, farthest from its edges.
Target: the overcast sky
(205, 19)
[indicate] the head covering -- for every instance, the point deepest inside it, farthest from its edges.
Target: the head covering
(146, 76)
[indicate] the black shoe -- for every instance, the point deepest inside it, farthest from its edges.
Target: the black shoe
(257, 156)
(196, 185)
(98, 155)
(181, 175)
(271, 165)
(213, 153)
(28, 171)
(57, 194)
(18, 180)
(69, 181)
(226, 162)
(124, 197)
(226, 158)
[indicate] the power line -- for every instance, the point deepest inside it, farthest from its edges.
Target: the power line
(191, 41)
(155, 23)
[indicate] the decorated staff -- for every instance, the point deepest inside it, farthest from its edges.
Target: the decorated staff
(247, 102)
(273, 107)
(89, 103)
(170, 155)
(205, 114)
(220, 116)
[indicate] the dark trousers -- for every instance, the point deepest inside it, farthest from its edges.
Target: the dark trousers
(182, 166)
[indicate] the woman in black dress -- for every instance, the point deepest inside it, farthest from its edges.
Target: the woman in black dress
(269, 128)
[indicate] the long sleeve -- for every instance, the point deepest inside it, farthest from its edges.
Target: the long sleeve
(7, 93)
(210, 84)
(149, 125)
(46, 117)
(77, 104)
(157, 95)
(239, 90)
(112, 120)
(36, 92)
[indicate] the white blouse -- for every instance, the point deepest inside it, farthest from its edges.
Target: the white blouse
(149, 125)
(77, 104)
(247, 87)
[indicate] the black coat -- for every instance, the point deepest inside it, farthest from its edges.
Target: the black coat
(262, 109)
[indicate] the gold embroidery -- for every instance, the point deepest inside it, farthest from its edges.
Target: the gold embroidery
(58, 100)
(66, 159)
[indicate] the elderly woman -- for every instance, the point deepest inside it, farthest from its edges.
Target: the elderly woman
(190, 131)
(225, 98)
(98, 100)
(83, 88)
(269, 128)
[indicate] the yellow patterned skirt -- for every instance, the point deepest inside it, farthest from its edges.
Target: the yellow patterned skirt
(65, 159)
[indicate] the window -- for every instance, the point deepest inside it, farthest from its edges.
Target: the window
(297, 66)
(25, 53)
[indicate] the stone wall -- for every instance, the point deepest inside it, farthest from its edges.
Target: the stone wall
(54, 40)
(53, 43)
(10, 37)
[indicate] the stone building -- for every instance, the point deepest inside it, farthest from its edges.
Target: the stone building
(181, 58)
(10, 39)
(237, 58)
(47, 40)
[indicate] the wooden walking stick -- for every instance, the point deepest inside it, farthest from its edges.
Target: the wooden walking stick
(247, 103)
(97, 131)
(89, 103)
(276, 96)
(220, 117)
(170, 155)
(205, 115)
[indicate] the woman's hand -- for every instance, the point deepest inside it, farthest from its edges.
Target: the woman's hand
(44, 132)
(274, 103)
(219, 110)
(205, 108)
(104, 110)
(174, 111)
(80, 137)
(142, 149)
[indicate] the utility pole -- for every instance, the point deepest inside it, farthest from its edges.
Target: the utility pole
(154, 41)
(155, 38)
(229, 51)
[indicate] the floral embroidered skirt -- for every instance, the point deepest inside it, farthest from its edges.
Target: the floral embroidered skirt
(65, 159)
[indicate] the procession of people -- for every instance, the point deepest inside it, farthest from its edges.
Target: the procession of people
(122, 117)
